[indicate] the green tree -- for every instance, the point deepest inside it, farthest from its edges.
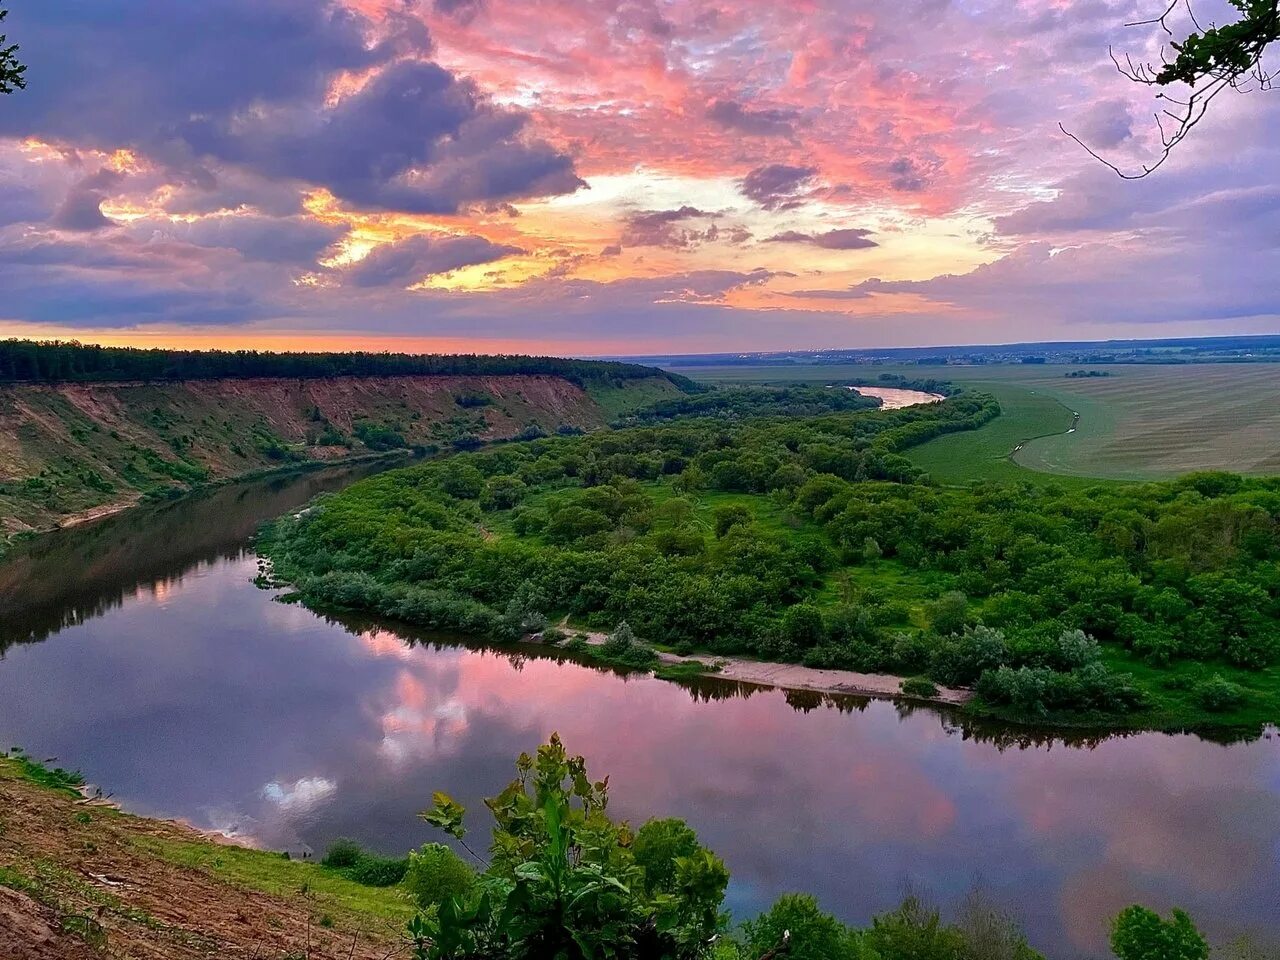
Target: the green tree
(949, 613)
(797, 928)
(915, 932)
(1140, 934)
(728, 517)
(11, 69)
(658, 846)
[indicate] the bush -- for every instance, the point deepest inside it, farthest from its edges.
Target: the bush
(620, 641)
(1075, 648)
(728, 517)
(949, 613)
(802, 626)
(910, 652)
(342, 853)
(374, 871)
(918, 687)
(435, 874)
(1034, 692)
(355, 863)
(471, 399)
(962, 658)
(916, 931)
(1254, 651)
(1218, 694)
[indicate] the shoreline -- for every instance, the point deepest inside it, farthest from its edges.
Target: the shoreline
(793, 676)
(102, 511)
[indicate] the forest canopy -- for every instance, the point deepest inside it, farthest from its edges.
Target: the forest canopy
(814, 540)
(53, 361)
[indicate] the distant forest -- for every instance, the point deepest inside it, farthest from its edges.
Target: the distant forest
(58, 361)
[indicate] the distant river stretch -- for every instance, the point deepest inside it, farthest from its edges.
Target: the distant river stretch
(892, 398)
(139, 650)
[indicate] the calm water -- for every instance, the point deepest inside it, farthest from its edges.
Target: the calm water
(140, 652)
(895, 398)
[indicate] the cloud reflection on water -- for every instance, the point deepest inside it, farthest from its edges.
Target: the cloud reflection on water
(218, 705)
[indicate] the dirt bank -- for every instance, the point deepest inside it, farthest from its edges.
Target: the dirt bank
(72, 450)
(79, 880)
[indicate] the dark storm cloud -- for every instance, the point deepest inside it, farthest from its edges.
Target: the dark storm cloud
(263, 239)
(776, 186)
(907, 175)
(850, 239)
(81, 209)
(21, 204)
(661, 228)
(464, 11)
(244, 83)
(129, 71)
(758, 122)
(1107, 125)
(411, 260)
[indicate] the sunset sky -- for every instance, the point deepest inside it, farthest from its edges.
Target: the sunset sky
(603, 177)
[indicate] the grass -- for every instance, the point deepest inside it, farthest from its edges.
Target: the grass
(274, 874)
(988, 453)
(54, 850)
(1173, 699)
(614, 400)
(65, 781)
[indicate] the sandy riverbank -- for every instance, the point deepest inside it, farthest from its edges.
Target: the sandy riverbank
(795, 676)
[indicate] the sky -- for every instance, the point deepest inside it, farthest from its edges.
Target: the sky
(612, 177)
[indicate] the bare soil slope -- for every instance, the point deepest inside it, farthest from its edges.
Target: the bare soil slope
(79, 880)
(70, 451)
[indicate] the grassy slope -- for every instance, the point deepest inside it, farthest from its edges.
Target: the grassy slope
(69, 449)
(93, 878)
(988, 453)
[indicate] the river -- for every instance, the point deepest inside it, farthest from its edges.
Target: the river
(140, 651)
(895, 398)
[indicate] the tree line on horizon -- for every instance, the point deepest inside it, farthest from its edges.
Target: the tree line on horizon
(32, 361)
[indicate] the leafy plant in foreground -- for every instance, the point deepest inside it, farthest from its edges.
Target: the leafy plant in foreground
(564, 880)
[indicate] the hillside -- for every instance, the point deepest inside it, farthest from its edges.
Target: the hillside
(72, 449)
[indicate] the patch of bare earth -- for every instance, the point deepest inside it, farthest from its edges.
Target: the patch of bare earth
(71, 889)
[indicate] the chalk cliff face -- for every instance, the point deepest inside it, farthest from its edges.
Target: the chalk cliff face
(69, 450)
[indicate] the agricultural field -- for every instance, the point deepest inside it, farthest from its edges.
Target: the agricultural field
(1139, 422)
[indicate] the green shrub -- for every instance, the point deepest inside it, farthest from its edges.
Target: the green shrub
(435, 874)
(919, 687)
(342, 853)
(949, 613)
(355, 863)
(374, 871)
(1218, 694)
